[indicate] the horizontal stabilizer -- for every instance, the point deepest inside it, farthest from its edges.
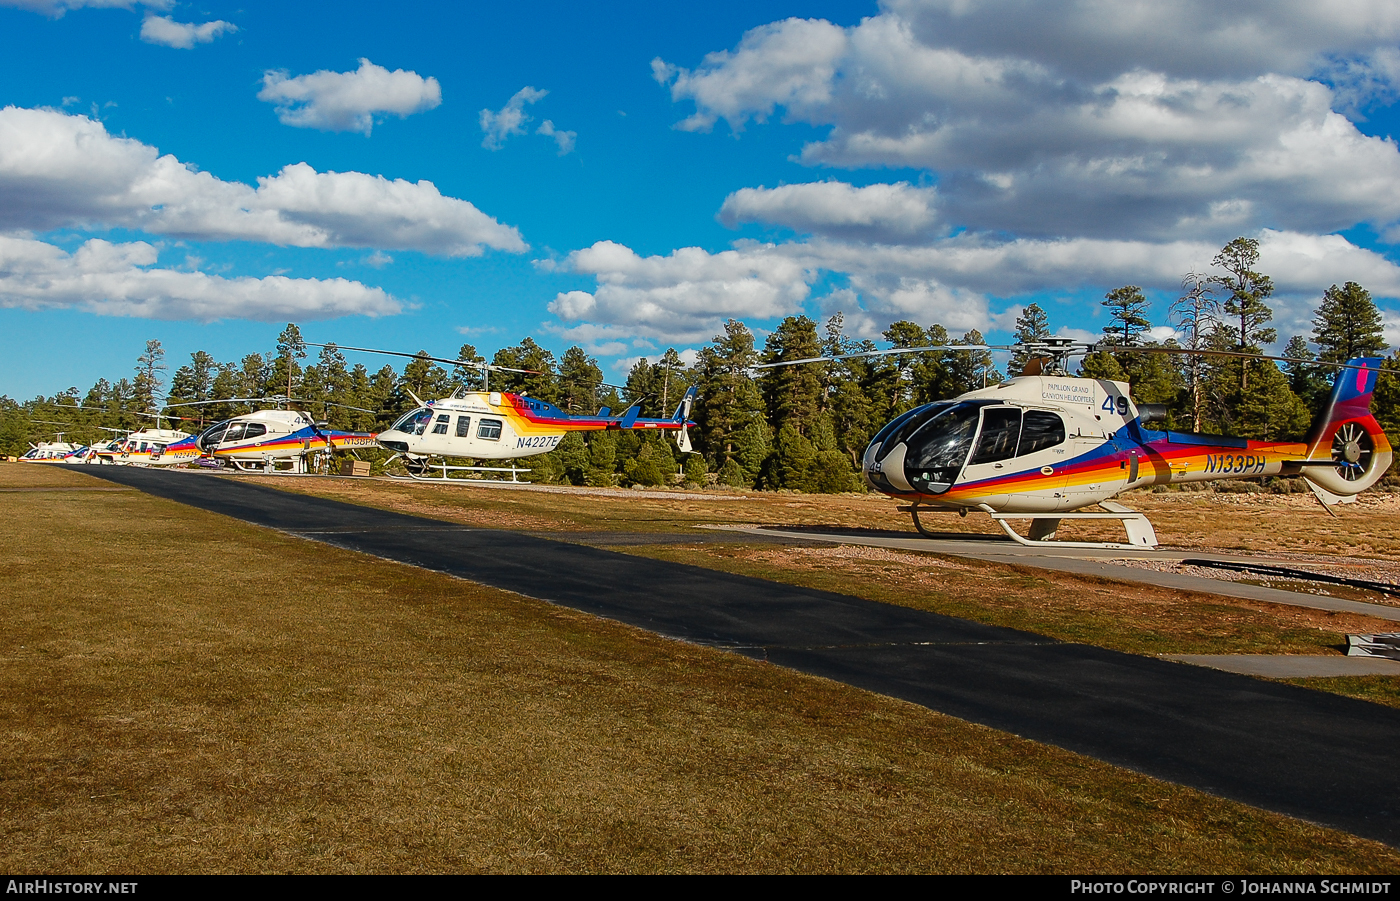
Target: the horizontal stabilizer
(629, 418)
(604, 411)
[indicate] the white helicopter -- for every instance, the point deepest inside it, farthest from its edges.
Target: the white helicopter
(146, 447)
(1045, 446)
(497, 426)
(56, 451)
(267, 441)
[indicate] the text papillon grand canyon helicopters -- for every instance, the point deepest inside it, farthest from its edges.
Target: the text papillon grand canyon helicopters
(1045, 445)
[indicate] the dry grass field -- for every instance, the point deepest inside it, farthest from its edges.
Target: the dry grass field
(186, 693)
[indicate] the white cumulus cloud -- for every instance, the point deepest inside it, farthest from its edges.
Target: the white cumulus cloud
(121, 280)
(682, 297)
(182, 35)
(348, 101)
(896, 212)
(56, 8)
(60, 170)
(1160, 120)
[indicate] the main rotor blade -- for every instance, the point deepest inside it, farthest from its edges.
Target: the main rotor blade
(398, 353)
(884, 353)
(1189, 351)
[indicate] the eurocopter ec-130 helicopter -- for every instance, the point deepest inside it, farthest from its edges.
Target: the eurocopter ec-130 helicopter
(497, 425)
(1044, 445)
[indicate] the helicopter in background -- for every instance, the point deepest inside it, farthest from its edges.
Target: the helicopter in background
(56, 451)
(1045, 445)
(497, 426)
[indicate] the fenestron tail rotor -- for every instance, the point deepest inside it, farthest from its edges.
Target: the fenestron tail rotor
(1352, 451)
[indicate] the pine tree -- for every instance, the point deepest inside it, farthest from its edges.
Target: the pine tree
(286, 367)
(1306, 380)
(1032, 325)
(1128, 315)
(1348, 325)
(602, 459)
(540, 382)
(424, 378)
(471, 377)
(973, 369)
(579, 379)
(792, 394)
(149, 380)
(728, 401)
(904, 334)
(1245, 306)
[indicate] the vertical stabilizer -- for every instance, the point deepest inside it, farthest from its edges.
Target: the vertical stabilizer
(1348, 437)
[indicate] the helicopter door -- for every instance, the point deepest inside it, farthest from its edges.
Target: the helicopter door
(1040, 461)
(1093, 476)
(992, 456)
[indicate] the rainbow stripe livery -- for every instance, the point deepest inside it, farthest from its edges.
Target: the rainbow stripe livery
(1046, 445)
(498, 425)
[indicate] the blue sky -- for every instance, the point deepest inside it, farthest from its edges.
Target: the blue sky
(938, 161)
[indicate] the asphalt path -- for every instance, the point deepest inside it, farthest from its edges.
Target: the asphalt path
(1321, 757)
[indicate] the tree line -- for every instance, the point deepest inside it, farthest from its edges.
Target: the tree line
(800, 427)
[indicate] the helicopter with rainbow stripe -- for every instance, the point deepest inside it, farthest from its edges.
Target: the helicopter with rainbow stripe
(1043, 446)
(497, 426)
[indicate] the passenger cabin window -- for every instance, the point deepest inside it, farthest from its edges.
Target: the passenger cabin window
(1001, 427)
(440, 427)
(489, 429)
(235, 432)
(1041, 430)
(254, 430)
(464, 426)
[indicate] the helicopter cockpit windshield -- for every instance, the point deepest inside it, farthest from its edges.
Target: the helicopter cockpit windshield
(414, 423)
(212, 436)
(937, 451)
(940, 448)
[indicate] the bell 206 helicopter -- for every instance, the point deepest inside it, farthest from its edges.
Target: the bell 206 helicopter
(266, 441)
(146, 447)
(1043, 446)
(497, 425)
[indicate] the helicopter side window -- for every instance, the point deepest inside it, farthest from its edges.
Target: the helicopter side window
(1040, 431)
(440, 427)
(235, 432)
(254, 430)
(489, 429)
(1001, 428)
(464, 426)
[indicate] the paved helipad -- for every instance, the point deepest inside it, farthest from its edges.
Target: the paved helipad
(1318, 756)
(1292, 666)
(1083, 562)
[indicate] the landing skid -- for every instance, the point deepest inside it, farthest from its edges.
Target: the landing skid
(1141, 535)
(423, 468)
(271, 465)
